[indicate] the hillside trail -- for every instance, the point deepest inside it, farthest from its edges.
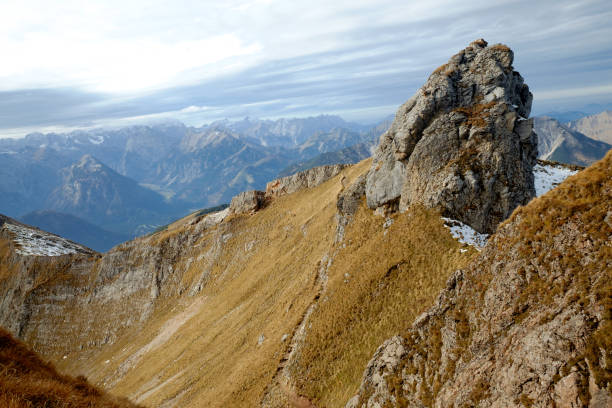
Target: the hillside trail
(282, 379)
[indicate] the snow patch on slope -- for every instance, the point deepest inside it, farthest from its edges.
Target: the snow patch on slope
(547, 177)
(36, 242)
(217, 217)
(465, 234)
(96, 139)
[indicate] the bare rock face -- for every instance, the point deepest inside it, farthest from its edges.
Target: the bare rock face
(97, 296)
(347, 205)
(462, 142)
(247, 202)
(304, 179)
(528, 323)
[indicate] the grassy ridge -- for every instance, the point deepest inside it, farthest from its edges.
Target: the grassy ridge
(27, 381)
(378, 284)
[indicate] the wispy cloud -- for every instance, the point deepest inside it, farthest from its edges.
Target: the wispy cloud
(107, 62)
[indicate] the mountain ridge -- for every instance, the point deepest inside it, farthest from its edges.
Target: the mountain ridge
(75, 229)
(285, 297)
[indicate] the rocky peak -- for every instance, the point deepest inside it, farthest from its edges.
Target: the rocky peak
(462, 142)
(527, 323)
(598, 126)
(89, 164)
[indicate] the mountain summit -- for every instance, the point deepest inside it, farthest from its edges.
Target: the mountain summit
(462, 142)
(100, 195)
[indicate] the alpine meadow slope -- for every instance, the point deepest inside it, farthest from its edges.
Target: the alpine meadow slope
(284, 298)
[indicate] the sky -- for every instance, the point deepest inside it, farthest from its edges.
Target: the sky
(67, 65)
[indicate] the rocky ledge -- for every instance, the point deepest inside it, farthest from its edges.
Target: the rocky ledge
(251, 201)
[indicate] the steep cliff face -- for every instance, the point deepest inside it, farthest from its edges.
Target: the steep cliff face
(52, 302)
(528, 323)
(462, 142)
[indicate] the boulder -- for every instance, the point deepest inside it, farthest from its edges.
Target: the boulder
(247, 202)
(347, 204)
(462, 143)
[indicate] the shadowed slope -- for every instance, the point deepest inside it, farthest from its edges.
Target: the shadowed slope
(27, 381)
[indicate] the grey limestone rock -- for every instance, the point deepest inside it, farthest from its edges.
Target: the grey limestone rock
(347, 205)
(247, 202)
(348, 199)
(462, 142)
(304, 179)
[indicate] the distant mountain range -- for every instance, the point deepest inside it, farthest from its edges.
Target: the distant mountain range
(598, 127)
(288, 133)
(131, 180)
(102, 196)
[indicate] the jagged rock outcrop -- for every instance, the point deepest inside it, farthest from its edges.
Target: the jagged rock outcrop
(251, 201)
(347, 205)
(247, 202)
(462, 142)
(528, 323)
(305, 179)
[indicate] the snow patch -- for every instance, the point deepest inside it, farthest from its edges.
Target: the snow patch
(96, 139)
(547, 177)
(465, 234)
(36, 242)
(217, 217)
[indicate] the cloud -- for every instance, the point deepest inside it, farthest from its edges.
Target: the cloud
(560, 94)
(107, 62)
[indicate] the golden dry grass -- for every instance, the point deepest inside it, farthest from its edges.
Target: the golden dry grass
(27, 382)
(208, 354)
(203, 350)
(378, 284)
